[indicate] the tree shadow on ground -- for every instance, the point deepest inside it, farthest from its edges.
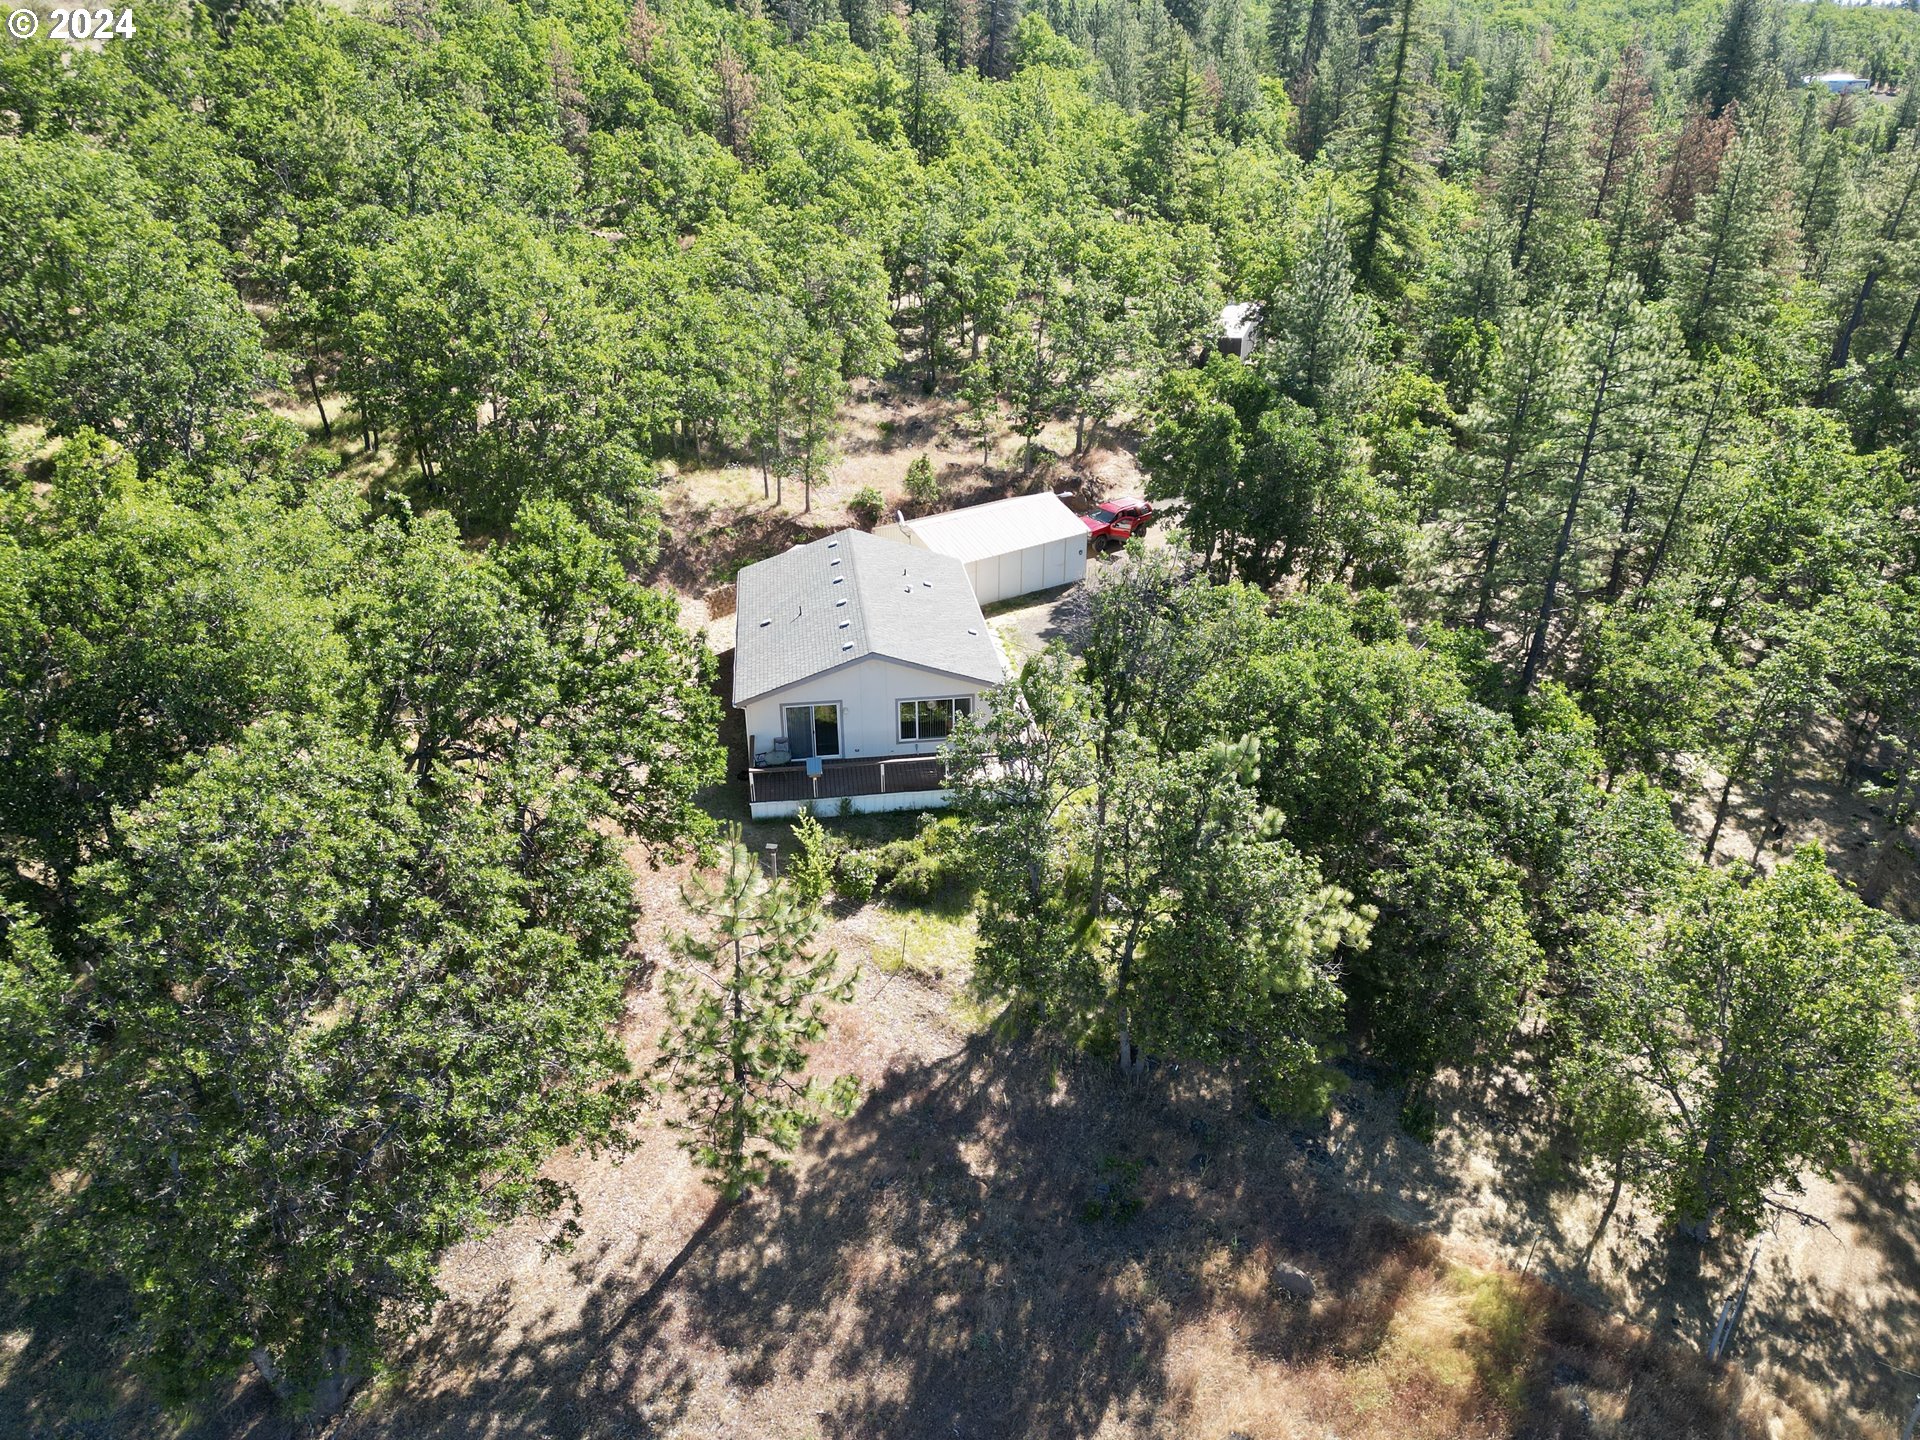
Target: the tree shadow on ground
(993, 1245)
(1868, 1355)
(66, 1371)
(1004, 1241)
(1011, 1243)
(974, 1254)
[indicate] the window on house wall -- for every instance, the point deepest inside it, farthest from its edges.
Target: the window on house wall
(813, 730)
(932, 719)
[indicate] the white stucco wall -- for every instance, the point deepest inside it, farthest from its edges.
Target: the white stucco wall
(868, 693)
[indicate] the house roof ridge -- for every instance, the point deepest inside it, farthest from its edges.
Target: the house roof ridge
(941, 629)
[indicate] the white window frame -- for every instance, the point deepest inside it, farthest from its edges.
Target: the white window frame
(953, 714)
(840, 723)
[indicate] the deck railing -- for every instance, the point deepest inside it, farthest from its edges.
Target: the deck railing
(842, 778)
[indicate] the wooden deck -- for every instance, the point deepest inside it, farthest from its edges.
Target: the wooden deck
(841, 778)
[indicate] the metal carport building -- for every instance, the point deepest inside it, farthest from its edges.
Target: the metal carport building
(1009, 547)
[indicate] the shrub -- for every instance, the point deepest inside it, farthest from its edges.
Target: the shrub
(923, 486)
(866, 506)
(1116, 1197)
(812, 863)
(854, 874)
(931, 865)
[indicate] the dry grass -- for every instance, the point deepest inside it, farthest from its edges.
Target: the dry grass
(725, 517)
(1011, 1243)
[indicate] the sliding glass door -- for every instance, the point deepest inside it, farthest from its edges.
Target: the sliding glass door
(813, 730)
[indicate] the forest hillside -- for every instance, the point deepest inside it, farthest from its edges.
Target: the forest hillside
(1425, 946)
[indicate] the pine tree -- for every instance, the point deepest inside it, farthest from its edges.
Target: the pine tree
(643, 33)
(1313, 41)
(1734, 64)
(1513, 451)
(1395, 176)
(996, 50)
(1514, 61)
(1463, 95)
(1626, 363)
(1176, 122)
(1327, 90)
(748, 999)
(1628, 227)
(1238, 81)
(1319, 325)
(1693, 167)
(863, 22)
(959, 31)
(1473, 292)
(1692, 170)
(1623, 123)
(1724, 265)
(736, 101)
(1884, 242)
(1283, 27)
(1825, 170)
(1708, 406)
(1539, 173)
(1906, 119)
(569, 100)
(925, 80)
(1119, 47)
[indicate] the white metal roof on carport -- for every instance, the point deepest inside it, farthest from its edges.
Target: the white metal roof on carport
(998, 528)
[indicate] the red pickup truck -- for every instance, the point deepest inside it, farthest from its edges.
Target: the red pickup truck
(1117, 520)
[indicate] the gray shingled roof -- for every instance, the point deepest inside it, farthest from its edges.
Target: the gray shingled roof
(841, 599)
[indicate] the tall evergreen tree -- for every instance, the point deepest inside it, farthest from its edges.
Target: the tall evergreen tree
(1327, 93)
(1692, 169)
(748, 998)
(1472, 296)
(1395, 175)
(1626, 363)
(958, 24)
(1826, 161)
(1318, 355)
(1622, 125)
(1733, 65)
(1538, 173)
(1313, 43)
(1512, 452)
(1725, 265)
(996, 43)
(1882, 246)
(1283, 34)
(925, 121)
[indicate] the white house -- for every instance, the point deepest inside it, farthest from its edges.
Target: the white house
(1839, 82)
(852, 658)
(1009, 547)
